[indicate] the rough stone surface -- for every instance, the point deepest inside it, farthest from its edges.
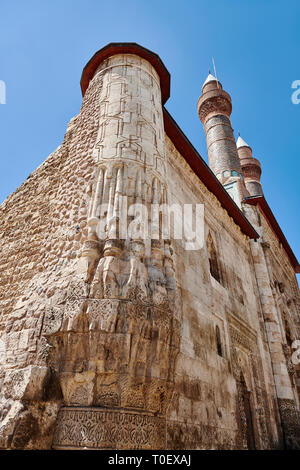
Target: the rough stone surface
(118, 344)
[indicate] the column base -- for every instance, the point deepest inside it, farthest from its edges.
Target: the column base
(104, 428)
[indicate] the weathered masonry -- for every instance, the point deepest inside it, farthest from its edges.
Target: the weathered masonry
(110, 342)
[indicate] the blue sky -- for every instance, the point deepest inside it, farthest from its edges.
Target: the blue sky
(45, 44)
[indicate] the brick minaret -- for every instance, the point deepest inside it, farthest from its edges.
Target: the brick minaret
(214, 109)
(250, 167)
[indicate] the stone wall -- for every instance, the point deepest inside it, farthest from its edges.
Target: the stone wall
(207, 409)
(94, 321)
(281, 302)
(112, 343)
(43, 225)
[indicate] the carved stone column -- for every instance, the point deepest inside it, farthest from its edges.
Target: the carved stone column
(287, 405)
(116, 351)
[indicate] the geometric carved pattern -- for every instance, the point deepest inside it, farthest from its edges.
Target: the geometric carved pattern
(243, 339)
(99, 428)
(291, 419)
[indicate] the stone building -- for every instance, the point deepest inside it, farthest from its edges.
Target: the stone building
(112, 342)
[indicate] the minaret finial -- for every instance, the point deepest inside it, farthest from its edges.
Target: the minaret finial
(250, 167)
(215, 70)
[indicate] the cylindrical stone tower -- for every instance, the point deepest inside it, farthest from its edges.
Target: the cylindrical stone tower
(214, 109)
(116, 352)
(250, 167)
